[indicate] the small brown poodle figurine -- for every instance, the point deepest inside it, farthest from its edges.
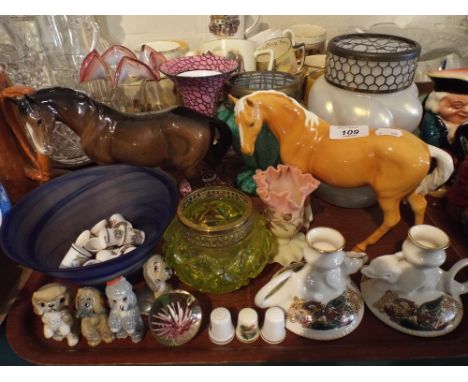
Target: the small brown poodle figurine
(51, 303)
(90, 308)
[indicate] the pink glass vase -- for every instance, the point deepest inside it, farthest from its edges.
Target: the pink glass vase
(285, 191)
(199, 80)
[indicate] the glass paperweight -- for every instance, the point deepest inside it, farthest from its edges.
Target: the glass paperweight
(217, 242)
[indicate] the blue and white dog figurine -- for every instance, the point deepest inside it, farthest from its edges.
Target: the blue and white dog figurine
(124, 318)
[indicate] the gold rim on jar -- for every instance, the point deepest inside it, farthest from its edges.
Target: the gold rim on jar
(213, 236)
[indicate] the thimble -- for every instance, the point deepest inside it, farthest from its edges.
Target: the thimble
(273, 330)
(221, 330)
(98, 226)
(247, 326)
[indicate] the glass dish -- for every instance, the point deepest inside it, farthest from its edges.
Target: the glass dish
(52, 216)
(217, 242)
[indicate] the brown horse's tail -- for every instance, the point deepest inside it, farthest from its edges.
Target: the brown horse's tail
(222, 140)
(440, 174)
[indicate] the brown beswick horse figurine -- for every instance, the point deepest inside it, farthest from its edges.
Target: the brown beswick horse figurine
(21, 168)
(393, 162)
(178, 139)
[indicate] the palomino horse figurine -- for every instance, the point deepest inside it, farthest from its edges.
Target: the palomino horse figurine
(176, 139)
(393, 162)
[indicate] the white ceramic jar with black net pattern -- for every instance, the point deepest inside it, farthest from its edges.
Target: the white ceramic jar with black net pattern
(368, 80)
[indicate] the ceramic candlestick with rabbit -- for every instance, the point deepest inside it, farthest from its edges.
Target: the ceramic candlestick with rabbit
(410, 292)
(285, 191)
(320, 300)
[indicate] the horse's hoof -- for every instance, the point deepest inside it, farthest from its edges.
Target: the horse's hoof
(37, 175)
(361, 247)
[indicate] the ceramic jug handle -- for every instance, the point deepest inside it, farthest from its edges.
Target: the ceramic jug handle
(290, 34)
(254, 24)
(300, 47)
(454, 287)
(262, 296)
(270, 53)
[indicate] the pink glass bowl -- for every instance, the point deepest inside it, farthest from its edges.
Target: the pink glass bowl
(200, 91)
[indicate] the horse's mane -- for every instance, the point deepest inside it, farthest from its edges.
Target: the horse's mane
(311, 119)
(76, 94)
(60, 91)
(57, 89)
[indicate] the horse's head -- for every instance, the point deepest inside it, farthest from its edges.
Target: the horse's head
(37, 119)
(249, 120)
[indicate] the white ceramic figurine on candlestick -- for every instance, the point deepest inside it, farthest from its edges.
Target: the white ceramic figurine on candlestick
(410, 292)
(319, 298)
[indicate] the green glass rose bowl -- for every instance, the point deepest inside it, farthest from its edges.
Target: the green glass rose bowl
(217, 242)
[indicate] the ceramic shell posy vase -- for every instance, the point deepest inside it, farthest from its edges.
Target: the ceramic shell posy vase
(410, 292)
(320, 300)
(285, 191)
(200, 79)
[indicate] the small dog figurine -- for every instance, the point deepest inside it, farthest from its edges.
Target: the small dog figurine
(89, 306)
(51, 303)
(124, 318)
(156, 273)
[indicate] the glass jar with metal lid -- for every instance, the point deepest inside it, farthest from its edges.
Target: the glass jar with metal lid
(368, 80)
(217, 242)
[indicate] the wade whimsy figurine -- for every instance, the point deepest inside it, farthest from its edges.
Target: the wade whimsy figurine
(285, 191)
(50, 302)
(393, 162)
(90, 309)
(156, 272)
(319, 298)
(124, 318)
(109, 136)
(410, 292)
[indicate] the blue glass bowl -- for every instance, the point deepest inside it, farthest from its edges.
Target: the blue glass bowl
(39, 230)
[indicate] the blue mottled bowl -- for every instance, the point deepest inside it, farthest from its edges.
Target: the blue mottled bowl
(39, 230)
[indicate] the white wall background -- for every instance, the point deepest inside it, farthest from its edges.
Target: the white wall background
(132, 31)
